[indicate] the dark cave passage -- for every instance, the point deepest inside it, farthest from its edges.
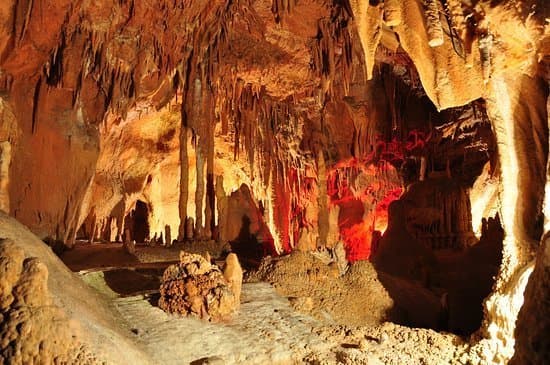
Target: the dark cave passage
(138, 222)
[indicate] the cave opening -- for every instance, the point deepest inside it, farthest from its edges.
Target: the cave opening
(137, 221)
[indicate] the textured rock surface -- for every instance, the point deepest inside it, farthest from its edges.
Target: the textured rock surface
(197, 288)
(48, 313)
(334, 297)
(233, 273)
(33, 329)
(533, 323)
(532, 340)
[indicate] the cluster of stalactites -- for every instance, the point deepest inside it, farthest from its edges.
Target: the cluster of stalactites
(265, 131)
(332, 52)
(280, 8)
(121, 80)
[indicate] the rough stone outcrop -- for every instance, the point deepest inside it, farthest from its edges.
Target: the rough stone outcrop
(43, 300)
(399, 253)
(33, 330)
(355, 298)
(533, 324)
(194, 287)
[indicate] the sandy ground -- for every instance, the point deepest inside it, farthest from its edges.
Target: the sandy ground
(270, 327)
(267, 330)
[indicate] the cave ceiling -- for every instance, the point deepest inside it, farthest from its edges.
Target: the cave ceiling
(281, 81)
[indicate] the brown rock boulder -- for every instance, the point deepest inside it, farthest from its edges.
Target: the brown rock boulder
(197, 288)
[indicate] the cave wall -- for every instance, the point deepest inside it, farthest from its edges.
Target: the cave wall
(532, 325)
(495, 77)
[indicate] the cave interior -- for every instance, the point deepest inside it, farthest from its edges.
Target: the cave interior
(373, 173)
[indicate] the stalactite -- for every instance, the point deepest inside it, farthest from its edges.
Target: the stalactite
(120, 224)
(455, 22)
(333, 52)
(210, 191)
(184, 180)
(221, 200)
(455, 12)
(281, 7)
(322, 199)
(485, 45)
(433, 23)
(94, 229)
(369, 18)
(199, 192)
(36, 100)
(23, 8)
(392, 13)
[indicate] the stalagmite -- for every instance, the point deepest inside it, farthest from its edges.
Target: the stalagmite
(189, 228)
(194, 287)
(129, 247)
(167, 235)
(233, 273)
(423, 166)
(127, 236)
(113, 232)
(333, 235)
(5, 159)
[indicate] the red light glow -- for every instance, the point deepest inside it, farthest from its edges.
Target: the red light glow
(364, 188)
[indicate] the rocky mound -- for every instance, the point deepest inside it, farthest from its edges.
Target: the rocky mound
(32, 329)
(355, 298)
(48, 315)
(195, 287)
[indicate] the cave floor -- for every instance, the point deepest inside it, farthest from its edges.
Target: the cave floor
(267, 329)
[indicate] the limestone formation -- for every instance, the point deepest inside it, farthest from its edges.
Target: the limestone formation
(33, 330)
(129, 247)
(194, 287)
(233, 274)
(5, 159)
